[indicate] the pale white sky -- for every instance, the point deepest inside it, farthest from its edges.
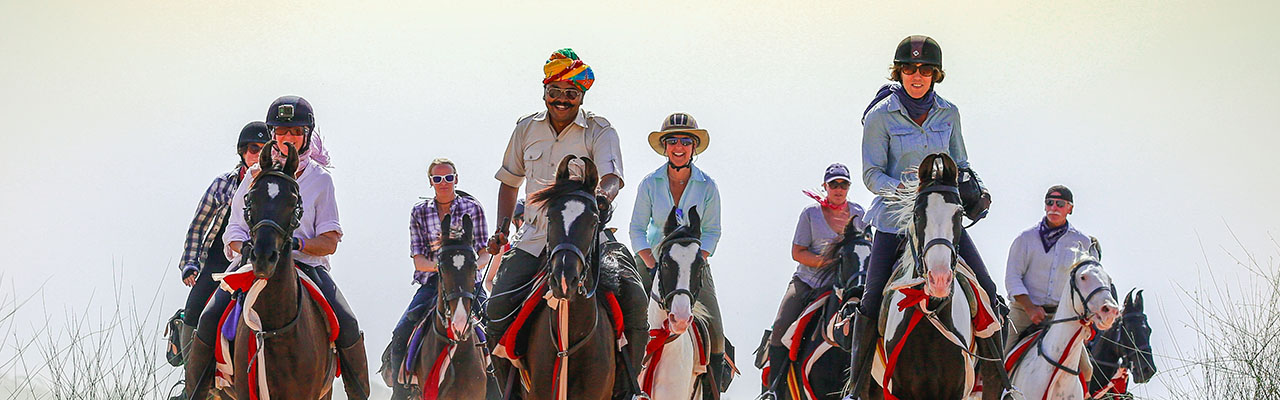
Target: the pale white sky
(115, 116)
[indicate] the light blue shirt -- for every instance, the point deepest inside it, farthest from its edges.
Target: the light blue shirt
(892, 143)
(654, 203)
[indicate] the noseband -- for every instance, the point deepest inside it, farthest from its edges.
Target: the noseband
(585, 257)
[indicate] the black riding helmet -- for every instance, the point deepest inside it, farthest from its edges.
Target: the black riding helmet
(918, 49)
(292, 111)
(253, 132)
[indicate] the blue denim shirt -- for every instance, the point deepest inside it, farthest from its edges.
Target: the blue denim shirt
(654, 202)
(892, 144)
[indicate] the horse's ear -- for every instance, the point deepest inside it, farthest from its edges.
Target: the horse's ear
(673, 222)
(695, 220)
(925, 171)
(589, 178)
(562, 172)
(264, 156)
(291, 163)
(445, 227)
(1128, 298)
(466, 228)
(950, 173)
(1137, 301)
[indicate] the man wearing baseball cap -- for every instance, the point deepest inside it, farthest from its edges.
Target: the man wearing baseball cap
(1040, 261)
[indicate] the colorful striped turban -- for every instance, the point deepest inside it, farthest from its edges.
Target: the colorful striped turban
(564, 66)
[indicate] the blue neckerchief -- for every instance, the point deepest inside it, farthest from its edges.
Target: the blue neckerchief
(1049, 236)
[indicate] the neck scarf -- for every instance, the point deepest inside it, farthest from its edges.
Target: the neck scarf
(1049, 236)
(916, 108)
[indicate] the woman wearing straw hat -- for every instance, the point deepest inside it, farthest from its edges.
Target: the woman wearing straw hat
(679, 184)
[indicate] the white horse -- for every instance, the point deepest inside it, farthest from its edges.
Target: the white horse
(1048, 367)
(672, 372)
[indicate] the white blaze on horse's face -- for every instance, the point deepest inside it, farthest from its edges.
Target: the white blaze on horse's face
(1102, 306)
(459, 321)
(681, 313)
(572, 210)
(273, 190)
(939, 223)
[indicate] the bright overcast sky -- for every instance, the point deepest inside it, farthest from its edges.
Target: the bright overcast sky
(115, 117)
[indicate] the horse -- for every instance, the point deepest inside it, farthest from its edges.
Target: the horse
(675, 361)
(936, 361)
(1122, 351)
(450, 364)
(571, 342)
(821, 367)
(1042, 364)
(284, 334)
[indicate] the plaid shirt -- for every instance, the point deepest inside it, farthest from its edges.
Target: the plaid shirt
(424, 225)
(210, 215)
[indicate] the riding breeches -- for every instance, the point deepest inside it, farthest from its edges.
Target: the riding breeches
(793, 302)
(885, 250)
(201, 292)
(422, 303)
(348, 329)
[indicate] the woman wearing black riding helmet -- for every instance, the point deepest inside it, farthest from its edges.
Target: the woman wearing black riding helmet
(292, 121)
(905, 122)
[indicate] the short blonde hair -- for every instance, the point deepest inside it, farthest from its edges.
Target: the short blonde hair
(442, 161)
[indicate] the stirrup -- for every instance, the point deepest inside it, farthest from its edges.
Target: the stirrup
(767, 395)
(640, 396)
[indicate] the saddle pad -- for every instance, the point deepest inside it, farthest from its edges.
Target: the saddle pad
(794, 337)
(658, 339)
(513, 343)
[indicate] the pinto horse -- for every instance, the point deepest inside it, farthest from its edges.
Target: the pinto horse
(293, 356)
(929, 349)
(821, 340)
(675, 361)
(1122, 351)
(450, 364)
(572, 342)
(1045, 364)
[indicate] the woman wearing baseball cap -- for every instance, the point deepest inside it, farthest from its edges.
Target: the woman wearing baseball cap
(679, 184)
(905, 122)
(820, 224)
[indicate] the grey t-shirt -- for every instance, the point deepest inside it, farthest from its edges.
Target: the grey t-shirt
(813, 232)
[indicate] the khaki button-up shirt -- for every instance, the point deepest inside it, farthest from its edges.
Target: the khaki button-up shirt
(535, 151)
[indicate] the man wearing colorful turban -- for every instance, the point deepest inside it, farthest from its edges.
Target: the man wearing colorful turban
(537, 145)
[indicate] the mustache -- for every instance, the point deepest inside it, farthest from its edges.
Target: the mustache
(561, 103)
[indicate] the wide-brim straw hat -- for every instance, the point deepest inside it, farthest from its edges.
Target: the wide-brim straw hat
(679, 123)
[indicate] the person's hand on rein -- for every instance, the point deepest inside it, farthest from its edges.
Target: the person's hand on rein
(496, 242)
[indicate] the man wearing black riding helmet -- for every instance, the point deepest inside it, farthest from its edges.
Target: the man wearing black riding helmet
(202, 250)
(292, 121)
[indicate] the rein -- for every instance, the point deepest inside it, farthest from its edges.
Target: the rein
(1085, 319)
(589, 260)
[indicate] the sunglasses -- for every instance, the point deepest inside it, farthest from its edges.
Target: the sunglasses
(288, 131)
(683, 141)
(567, 94)
(253, 148)
(436, 179)
(840, 184)
(1056, 203)
(924, 70)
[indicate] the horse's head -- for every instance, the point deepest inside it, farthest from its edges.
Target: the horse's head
(272, 208)
(573, 220)
(1135, 338)
(1093, 295)
(937, 224)
(850, 253)
(680, 266)
(456, 265)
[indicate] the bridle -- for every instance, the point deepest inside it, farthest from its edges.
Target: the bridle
(286, 230)
(1083, 318)
(588, 258)
(939, 241)
(695, 277)
(444, 313)
(1128, 353)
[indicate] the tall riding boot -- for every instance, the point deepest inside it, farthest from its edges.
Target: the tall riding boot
(185, 334)
(393, 357)
(779, 363)
(355, 370)
(720, 369)
(199, 369)
(865, 336)
(637, 340)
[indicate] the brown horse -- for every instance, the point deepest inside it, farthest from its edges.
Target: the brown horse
(586, 343)
(451, 341)
(297, 359)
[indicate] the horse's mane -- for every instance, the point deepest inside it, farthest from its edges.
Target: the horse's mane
(1083, 255)
(557, 189)
(902, 202)
(831, 255)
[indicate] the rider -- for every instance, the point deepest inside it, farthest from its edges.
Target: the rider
(537, 145)
(820, 225)
(206, 230)
(1040, 262)
(424, 244)
(680, 183)
(907, 121)
(292, 121)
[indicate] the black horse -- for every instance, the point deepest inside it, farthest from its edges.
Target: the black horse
(1126, 345)
(450, 364)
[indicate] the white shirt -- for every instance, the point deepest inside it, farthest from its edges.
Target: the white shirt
(1038, 274)
(319, 213)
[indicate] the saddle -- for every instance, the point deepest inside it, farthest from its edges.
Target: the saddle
(244, 287)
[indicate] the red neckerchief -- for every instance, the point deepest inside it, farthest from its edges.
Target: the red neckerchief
(823, 200)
